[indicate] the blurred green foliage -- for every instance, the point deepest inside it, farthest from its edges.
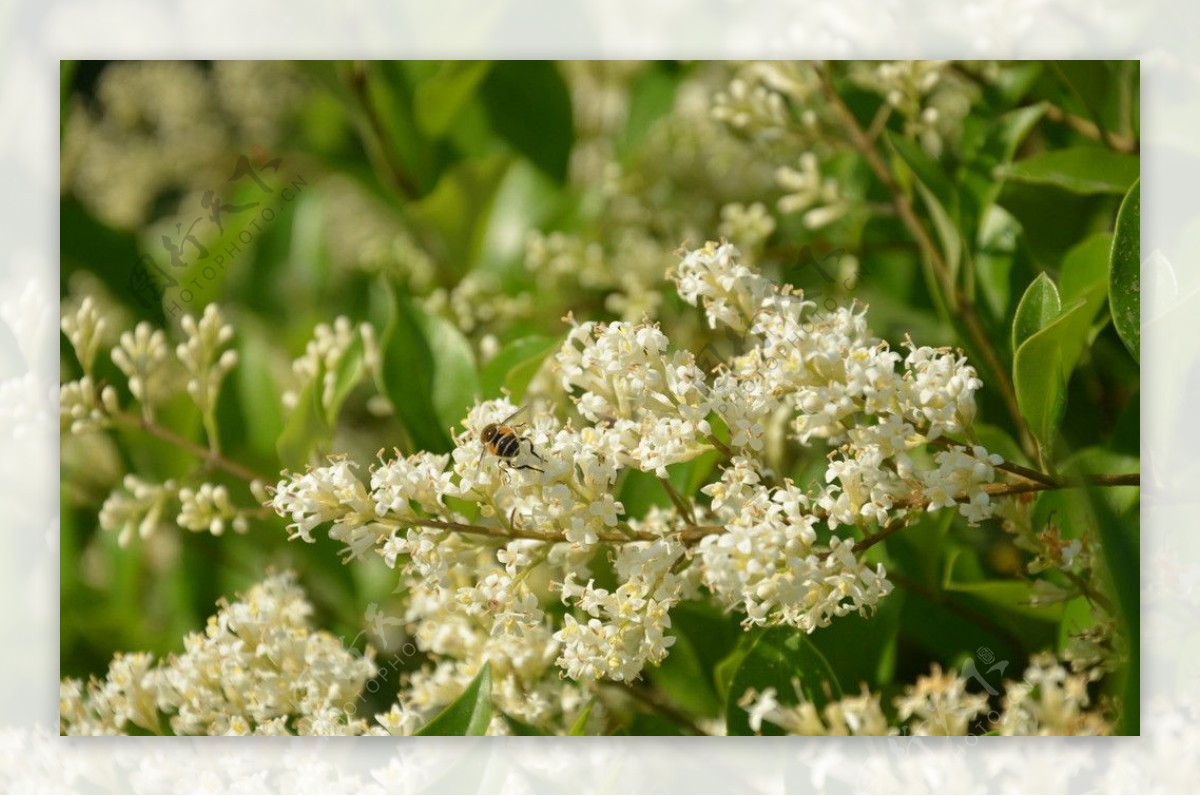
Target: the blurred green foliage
(410, 177)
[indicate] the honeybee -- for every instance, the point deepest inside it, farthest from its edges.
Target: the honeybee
(503, 441)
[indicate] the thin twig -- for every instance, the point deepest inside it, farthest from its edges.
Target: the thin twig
(1087, 591)
(659, 705)
(359, 85)
(210, 457)
(681, 505)
(959, 302)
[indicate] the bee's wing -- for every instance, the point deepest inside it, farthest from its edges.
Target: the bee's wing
(511, 420)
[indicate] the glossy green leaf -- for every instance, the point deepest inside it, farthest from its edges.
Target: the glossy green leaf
(683, 679)
(579, 727)
(1000, 595)
(1043, 365)
(438, 100)
(530, 107)
(455, 380)
(305, 428)
(256, 389)
(999, 254)
(519, 727)
(864, 647)
(1038, 307)
(1081, 170)
(936, 192)
(349, 373)
(1119, 543)
(978, 186)
(782, 658)
(928, 171)
(1085, 266)
(1125, 284)
(515, 365)
(406, 374)
(454, 213)
(470, 714)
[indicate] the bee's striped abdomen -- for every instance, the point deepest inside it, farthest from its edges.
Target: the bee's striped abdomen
(508, 446)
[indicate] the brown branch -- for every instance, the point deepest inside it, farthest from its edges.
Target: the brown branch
(656, 703)
(359, 80)
(681, 505)
(1116, 141)
(959, 302)
(210, 457)
(694, 534)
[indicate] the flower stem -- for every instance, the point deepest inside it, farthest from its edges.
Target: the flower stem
(210, 457)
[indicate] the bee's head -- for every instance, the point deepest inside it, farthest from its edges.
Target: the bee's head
(488, 433)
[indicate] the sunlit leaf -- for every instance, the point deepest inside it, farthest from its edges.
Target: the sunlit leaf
(1125, 285)
(1082, 170)
(785, 659)
(470, 714)
(1039, 306)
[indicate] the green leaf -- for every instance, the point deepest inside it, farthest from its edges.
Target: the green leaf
(580, 725)
(256, 389)
(438, 100)
(783, 658)
(682, 678)
(1125, 286)
(999, 595)
(455, 381)
(519, 727)
(530, 107)
(938, 195)
(349, 373)
(998, 254)
(525, 199)
(1038, 307)
(470, 714)
(863, 647)
(305, 427)
(406, 374)
(650, 98)
(1043, 365)
(1119, 543)
(515, 365)
(1081, 170)
(927, 170)
(1085, 266)
(456, 209)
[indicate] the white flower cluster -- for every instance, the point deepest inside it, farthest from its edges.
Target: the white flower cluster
(767, 562)
(257, 669)
(139, 508)
(327, 354)
(1048, 701)
(202, 355)
(757, 548)
(652, 401)
(858, 715)
(209, 508)
(81, 410)
(757, 98)
(86, 329)
(145, 359)
(623, 629)
(820, 199)
(840, 384)
(939, 704)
